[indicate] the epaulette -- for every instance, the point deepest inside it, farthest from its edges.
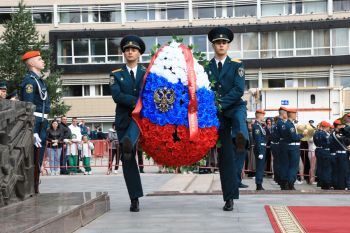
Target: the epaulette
(236, 60)
(117, 70)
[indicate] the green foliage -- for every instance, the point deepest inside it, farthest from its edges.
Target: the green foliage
(20, 36)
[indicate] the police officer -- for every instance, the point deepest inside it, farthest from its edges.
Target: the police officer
(282, 158)
(323, 155)
(259, 136)
(228, 78)
(125, 87)
(3, 89)
(34, 90)
(292, 139)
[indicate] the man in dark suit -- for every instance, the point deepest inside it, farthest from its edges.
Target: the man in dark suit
(125, 87)
(227, 78)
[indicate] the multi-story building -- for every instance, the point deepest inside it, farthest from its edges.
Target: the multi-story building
(296, 52)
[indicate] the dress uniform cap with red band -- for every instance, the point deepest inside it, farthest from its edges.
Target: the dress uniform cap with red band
(325, 124)
(337, 122)
(291, 110)
(260, 111)
(30, 54)
(283, 108)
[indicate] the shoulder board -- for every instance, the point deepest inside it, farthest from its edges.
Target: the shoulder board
(236, 60)
(117, 70)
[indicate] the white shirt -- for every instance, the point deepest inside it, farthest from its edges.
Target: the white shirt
(133, 69)
(222, 61)
(75, 130)
(86, 149)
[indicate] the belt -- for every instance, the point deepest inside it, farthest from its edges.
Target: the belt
(38, 114)
(294, 144)
(341, 151)
(332, 153)
(275, 143)
(263, 144)
(319, 147)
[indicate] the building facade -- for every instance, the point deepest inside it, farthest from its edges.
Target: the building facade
(296, 53)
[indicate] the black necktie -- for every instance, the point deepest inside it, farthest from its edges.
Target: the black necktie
(132, 74)
(219, 66)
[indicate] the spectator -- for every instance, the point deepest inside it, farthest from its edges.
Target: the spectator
(72, 153)
(113, 139)
(86, 148)
(13, 96)
(3, 89)
(268, 129)
(55, 139)
(100, 134)
(83, 128)
(66, 135)
(75, 129)
(93, 134)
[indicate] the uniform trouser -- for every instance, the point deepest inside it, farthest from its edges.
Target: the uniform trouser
(326, 167)
(260, 166)
(342, 167)
(130, 169)
(348, 176)
(293, 164)
(40, 128)
(86, 163)
(240, 158)
(319, 160)
(334, 170)
(283, 160)
(226, 160)
(276, 165)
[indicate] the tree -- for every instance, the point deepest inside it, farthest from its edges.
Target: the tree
(20, 36)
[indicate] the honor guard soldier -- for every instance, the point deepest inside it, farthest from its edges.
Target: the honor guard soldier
(292, 139)
(228, 79)
(259, 136)
(275, 140)
(323, 156)
(125, 87)
(282, 157)
(34, 90)
(339, 156)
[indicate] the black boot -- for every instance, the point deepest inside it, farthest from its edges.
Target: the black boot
(134, 206)
(228, 205)
(291, 187)
(259, 187)
(284, 185)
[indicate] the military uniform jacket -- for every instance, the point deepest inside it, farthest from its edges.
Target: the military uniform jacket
(125, 93)
(259, 136)
(289, 133)
(336, 143)
(34, 90)
(228, 84)
(275, 137)
(321, 139)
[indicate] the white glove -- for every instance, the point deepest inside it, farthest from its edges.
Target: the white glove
(260, 156)
(37, 140)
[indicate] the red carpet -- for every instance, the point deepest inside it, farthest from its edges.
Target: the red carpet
(311, 219)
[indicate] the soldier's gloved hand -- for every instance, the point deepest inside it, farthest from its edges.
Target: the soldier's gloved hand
(260, 156)
(37, 140)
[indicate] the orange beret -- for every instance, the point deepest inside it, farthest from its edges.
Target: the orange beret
(325, 124)
(283, 108)
(348, 114)
(260, 111)
(292, 110)
(337, 122)
(30, 54)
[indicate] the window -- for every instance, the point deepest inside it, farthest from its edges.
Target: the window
(4, 17)
(285, 44)
(312, 99)
(289, 83)
(341, 5)
(250, 84)
(274, 9)
(200, 42)
(81, 50)
(177, 13)
(268, 45)
(273, 83)
(250, 45)
(70, 15)
(321, 42)
(114, 50)
(311, 7)
(98, 50)
(139, 12)
(74, 90)
(340, 41)
(86, 90)
(303, 42)
(89, 14)
(42, 18)
(106, 90)
(65, 52)
(98, 91)
(245, 10)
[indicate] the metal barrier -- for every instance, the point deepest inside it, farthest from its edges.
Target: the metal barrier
(106, 151)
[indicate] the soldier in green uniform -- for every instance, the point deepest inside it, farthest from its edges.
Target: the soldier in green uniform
(227, 75)
(125, 87)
